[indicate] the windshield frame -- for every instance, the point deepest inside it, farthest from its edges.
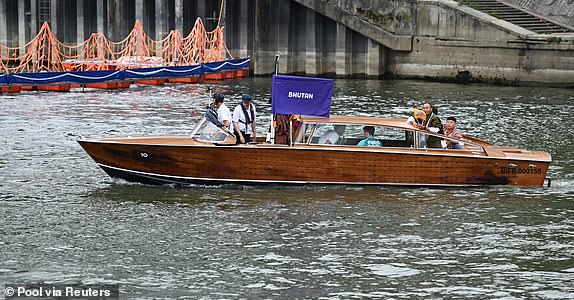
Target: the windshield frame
(206, 131)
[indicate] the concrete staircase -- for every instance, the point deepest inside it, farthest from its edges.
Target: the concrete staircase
(516, 16)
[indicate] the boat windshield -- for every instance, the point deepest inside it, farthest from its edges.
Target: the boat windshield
(353, 134)
(209, 129)
(387, 137)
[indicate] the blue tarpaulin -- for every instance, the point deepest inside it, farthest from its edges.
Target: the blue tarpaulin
(301, 95)
(45, 78)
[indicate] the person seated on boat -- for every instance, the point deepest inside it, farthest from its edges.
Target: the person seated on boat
(370, 140)
(333, 136)
(223, 112)
(450, 130)
(244, 116)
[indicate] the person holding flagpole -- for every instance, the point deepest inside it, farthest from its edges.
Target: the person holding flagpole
(432, 124)
(244, 116)
(427, 120)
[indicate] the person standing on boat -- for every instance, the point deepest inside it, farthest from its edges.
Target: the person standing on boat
(432, 124)
(450, 130)
(244, 116)
(370, 140)
(223, 112)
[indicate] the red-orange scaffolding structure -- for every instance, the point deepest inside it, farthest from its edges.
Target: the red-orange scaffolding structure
(46, 53)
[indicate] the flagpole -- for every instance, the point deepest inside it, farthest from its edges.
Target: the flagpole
(273, 119)
(277, 64)
(291, 143)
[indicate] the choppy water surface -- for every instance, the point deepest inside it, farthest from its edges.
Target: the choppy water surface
(63, 221)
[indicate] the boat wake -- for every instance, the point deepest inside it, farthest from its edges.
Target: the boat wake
(561, 186)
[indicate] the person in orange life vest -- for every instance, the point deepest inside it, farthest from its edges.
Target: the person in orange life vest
(244, 116)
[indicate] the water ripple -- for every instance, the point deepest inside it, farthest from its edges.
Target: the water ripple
(62, 220)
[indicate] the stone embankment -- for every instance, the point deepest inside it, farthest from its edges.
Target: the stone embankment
(448, 40)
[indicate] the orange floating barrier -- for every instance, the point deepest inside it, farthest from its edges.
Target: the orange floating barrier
(151, 81)
(229, 74)
(45, 53)
(241, 73)
(54, 88)
(214, 76)
(110, 85)
(10, 89)
(194, 79)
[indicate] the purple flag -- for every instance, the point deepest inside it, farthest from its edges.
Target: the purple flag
(302, 95)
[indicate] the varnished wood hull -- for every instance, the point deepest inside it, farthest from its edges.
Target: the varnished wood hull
(180, 160)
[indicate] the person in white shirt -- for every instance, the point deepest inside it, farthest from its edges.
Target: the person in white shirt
(223, 112)
(244, 116)
(333, 136)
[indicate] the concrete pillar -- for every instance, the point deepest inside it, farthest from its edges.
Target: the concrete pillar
(179, 16)
(139, 10)
(297, 30)
(327, 43)
(160, 20)
(243, 23)
(311, 61)
(161, 29)
(80, 32)
(54, 16)
(115, 20)
(358, 55)
(33, 20)
(100, 16)
(21, 27)
(202, 13)
(265, 38)
(373, 59)
(282, 17)
(3, 25)
(342, 63)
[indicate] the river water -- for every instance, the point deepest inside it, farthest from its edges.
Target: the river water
(62, 220)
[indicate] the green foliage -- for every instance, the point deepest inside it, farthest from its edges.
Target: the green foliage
(554, 40)
(468, 3)
(376, 18)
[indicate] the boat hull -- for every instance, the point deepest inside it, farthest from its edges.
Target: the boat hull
(182, 161)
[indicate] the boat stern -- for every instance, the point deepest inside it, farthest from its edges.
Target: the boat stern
(523, 167)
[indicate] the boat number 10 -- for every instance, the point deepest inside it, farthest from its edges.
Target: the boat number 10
(143, 155)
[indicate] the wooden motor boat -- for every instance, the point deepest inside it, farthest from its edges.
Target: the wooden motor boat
(210, 156)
